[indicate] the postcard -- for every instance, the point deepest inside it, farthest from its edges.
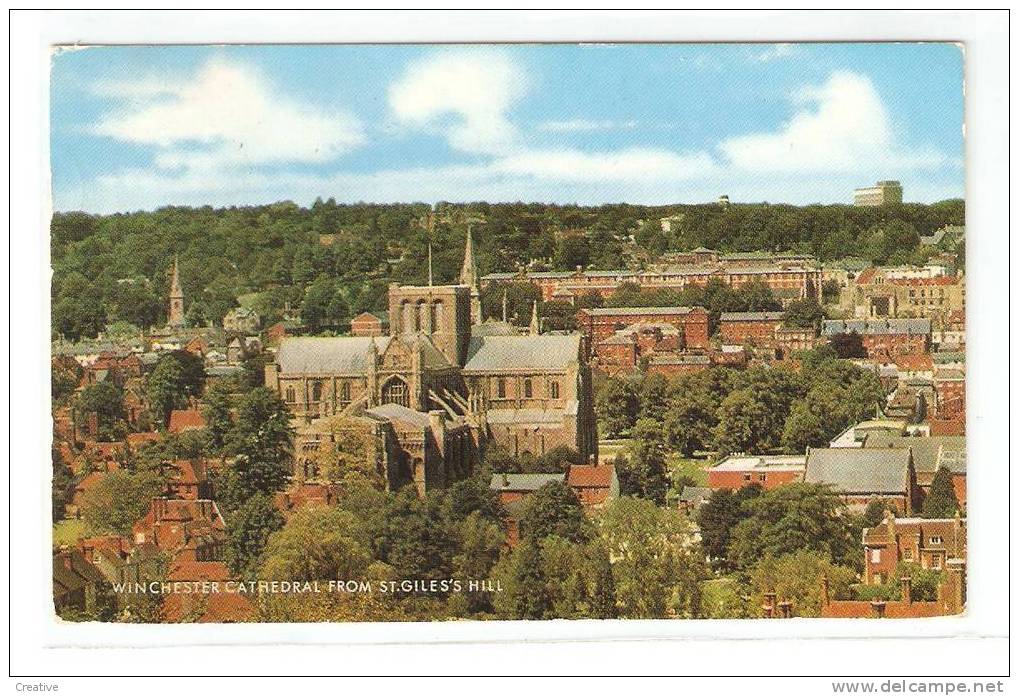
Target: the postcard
(424, 333)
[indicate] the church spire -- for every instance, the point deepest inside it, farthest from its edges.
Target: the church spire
(535, 326)
(469, 277)
(175, 315)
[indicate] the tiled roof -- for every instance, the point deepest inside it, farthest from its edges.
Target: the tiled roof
(320, 355)
(613, 311)
(198, 570)
(928, 452)
(876, 326)
(189, 419)
(396, 412)
(751, 316)
(584, 476)
(498, 353)
(695, 494)
(853, 470)
(529, 416)
(679, 359)
(523, 482)
(494, 328)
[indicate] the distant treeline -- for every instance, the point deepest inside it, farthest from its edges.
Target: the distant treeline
(114, 268)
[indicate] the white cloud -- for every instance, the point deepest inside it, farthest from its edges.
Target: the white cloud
(841, 126)
(774, 52)
(475, 88)
(570, 165)
(581, 124)
(225, 115)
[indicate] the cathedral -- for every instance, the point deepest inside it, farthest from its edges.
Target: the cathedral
(438, 390)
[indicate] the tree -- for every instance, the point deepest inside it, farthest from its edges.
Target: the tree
(603, 585)
(415, 539)
(657, 567)
(64, 380)
(62, 485)
(530, 598)
(940, 501)
(347, 456)
(743, 421)
(248, 532)
(791, 518)
(797, 577)
(317, 543)
(719, 515)
(118, 500)
(558, 315)
(689, 421)
(804, 314)
(479, 541)
(263, 441)
(616, 406)
(646, 475)
(653, 397)
(177, 377)
(848, 345)
(217, 412)
(554, 509)
(106, 401)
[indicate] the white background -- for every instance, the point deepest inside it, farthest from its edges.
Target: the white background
(975, 644)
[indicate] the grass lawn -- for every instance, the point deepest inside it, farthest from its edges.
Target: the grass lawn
(694, 468)
(68, 532)
(608, 449)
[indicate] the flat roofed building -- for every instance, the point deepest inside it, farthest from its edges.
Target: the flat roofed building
(882, 193)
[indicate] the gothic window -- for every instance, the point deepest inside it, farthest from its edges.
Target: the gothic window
(500, 387)
(316, 391)
(409, 317)
(528, 390)
(421, 317)
(436, 317)
(553, 389)
(291, 395)
(395, 392)
(345, 392)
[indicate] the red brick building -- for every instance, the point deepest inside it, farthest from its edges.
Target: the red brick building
(367, 324)
(598, 324)
(186, 529)
(749, 328)
(671, 364)
(885, 338)
(737, 471)
(594, 485)
(929, 543)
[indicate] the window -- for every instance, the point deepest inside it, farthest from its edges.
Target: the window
(528, 391)
(907, 555)
(936, 562)
(747, 477)
(291, 395)
(936, 541)
(553, 389)
(500, 388)
(345, 392)
(316, 391)
(875, 555)
(395, 392)
(762, 477)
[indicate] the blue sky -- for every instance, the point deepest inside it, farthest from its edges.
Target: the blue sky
(136, 128)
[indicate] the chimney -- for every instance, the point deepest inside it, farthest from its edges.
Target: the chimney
(906, 585)
(786, 608)
(769, 604)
